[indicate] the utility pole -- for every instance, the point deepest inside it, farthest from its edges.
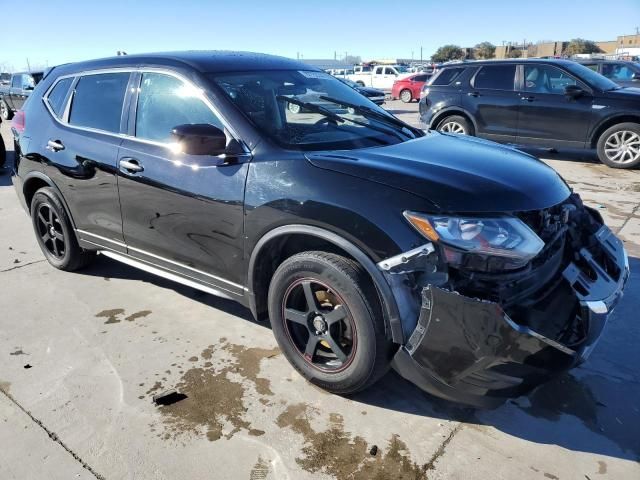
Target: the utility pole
(297, 55)
(28, 66)
(421, 54)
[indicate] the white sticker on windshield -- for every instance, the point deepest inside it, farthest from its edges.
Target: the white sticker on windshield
(309, 74)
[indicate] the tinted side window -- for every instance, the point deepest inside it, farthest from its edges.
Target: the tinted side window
(389, 71)
(165, 102)
(447, 76)
(617, 71)
(420, 78)
(97, 101)
(592, 66)
(496, 77)
(16, 81)
(546, 79)
(56, 97)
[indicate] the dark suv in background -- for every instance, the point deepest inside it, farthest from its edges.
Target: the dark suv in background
(544, 103)
(471, 266)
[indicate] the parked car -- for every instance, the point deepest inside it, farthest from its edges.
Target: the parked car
(408, 89)
(3, 151)
(13, 96)
(545, 103)
(472, 266)
(379, 76)
(373, 94)
(5, 78)
(624, 73)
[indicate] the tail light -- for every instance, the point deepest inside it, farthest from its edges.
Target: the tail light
(19, 121)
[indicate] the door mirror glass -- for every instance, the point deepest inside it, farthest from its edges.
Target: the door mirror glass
(635, 77)
(573, 91)
(199, 139)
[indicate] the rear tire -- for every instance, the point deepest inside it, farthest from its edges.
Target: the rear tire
(619, 146)
(406, 96)
(55, 234)
(455, 124)
(308, 292)
(5, 111)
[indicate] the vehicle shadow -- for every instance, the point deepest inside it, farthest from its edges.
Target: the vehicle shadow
(594, 408)
(583, 156)
(111, 269)
(5, 172)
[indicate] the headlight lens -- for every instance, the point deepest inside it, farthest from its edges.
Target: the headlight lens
(500, 243)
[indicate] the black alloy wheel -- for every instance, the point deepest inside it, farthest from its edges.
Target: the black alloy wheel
(319, 325)
(50, 231)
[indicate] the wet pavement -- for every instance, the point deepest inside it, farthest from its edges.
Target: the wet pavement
(103, 342)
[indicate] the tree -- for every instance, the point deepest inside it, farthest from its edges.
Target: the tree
(580, 45)
(485, 50)
(447, 52)
(514, 53)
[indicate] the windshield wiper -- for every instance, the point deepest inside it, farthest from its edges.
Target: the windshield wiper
(334, 116)
(370, 112)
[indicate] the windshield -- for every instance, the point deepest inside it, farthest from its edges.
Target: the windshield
(592, 78)
(303, 110)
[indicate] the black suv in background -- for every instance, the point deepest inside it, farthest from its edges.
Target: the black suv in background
(471, 266)
(544, 103)
(624, 73)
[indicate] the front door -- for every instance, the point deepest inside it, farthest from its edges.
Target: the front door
(547, 116)
(493, 102)
(181, 212)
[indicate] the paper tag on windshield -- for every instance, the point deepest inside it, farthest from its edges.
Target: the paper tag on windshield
(309, 74)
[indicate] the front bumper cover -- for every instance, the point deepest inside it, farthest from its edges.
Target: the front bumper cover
(469, 351)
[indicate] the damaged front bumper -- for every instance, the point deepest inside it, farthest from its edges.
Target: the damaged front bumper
(470, 351)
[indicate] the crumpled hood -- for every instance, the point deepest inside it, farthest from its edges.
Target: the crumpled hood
(455, 173)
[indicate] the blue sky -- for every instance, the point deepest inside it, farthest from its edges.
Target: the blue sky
(57, 31)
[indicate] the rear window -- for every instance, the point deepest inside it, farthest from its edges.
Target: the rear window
(496, 77)
(447, 76)
(56, 97)
(97, 101)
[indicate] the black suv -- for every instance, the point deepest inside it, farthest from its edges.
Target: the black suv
(623, 72)
(545, 103)
(472, 267)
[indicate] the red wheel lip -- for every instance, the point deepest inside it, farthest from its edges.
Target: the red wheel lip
(349, 317)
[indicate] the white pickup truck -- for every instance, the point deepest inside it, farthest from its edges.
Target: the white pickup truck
(379, 76)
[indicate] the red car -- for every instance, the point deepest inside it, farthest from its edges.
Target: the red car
(408, 89)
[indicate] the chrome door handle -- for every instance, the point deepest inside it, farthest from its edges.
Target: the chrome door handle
(473, 94)
(55, 145)
(130, 165)
(527, 99)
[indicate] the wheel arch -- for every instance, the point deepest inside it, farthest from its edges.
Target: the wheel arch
(607, 123)
(282, 242)
(447, 112)
(33, 182)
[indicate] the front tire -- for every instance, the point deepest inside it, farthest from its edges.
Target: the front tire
(619, 146)
(5, 111)
(405, 95)
(54, 232)
(455, 124)
(326, 318)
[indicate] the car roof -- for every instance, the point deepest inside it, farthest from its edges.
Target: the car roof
(601, 60)
(32, 72)
(205, 61)
(510, 61)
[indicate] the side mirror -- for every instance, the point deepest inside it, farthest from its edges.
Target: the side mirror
(635, 77)
(200, 139)
(573, 91)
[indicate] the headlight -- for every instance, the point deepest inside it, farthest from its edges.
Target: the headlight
(489, 244)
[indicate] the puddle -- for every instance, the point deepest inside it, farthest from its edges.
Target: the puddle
(337, 453)
(215, 399)
(113, 315)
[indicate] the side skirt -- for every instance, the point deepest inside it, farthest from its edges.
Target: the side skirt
(170, 276)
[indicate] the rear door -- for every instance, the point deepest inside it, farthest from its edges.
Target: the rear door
(377, 80)
(15, 92)
(81, 145)
(181, 212)
(547, 117)
(493, 102)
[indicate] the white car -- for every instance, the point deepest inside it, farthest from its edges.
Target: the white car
(379, 76)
